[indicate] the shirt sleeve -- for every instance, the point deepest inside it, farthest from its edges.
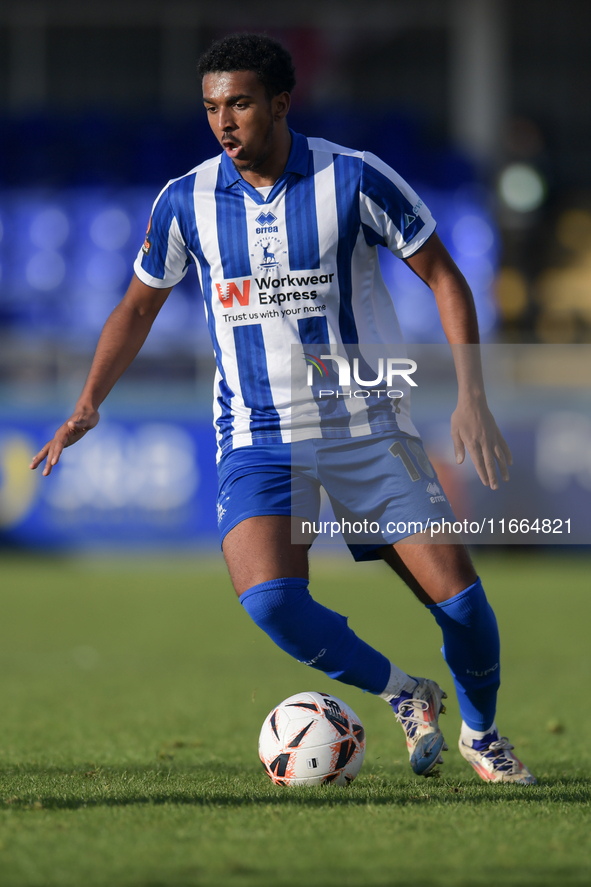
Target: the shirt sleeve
(163, 259)
(392, 214)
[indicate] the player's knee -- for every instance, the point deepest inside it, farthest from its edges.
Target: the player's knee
(468, 609)
(275, 600)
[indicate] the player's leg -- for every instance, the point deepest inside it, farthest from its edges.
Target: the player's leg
(443, 578)
(259, 550)
(390, 481)
(433, 577)
(257, 496)
(270, 574)
(271, 577)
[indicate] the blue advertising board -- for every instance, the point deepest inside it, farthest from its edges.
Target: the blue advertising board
(140, 483)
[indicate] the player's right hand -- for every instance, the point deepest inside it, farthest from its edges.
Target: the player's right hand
(71, 431)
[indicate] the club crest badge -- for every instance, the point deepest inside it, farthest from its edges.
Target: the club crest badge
(268, 252)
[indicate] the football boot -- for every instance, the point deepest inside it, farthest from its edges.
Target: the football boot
(418, 714)
(493, 760)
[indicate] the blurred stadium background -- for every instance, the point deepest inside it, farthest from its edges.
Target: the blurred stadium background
(480, 104)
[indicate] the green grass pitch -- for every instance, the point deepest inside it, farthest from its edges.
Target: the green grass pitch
(131, 697)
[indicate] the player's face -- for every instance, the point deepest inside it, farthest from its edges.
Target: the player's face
(242, 117)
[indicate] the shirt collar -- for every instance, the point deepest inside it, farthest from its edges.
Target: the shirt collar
(297, 162)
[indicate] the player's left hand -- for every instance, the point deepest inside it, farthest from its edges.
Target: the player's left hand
(473, 428)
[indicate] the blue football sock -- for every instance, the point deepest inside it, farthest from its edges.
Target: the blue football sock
(315, 635)
(471, 649)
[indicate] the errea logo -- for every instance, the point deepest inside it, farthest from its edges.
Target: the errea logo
(435, 492)
(266, 220)
(231, 289)
(409, 218)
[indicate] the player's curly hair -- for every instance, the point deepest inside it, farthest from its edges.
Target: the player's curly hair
(269, 60)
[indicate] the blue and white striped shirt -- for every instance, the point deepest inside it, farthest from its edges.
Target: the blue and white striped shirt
(299, 267)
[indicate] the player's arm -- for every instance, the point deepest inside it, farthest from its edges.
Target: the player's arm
(122, 337)
(472, 424)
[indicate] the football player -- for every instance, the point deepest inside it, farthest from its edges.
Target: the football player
(279, 221)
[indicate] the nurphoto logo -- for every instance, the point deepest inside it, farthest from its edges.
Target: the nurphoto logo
(387, 370)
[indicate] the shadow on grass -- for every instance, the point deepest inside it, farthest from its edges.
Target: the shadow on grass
(221, 785)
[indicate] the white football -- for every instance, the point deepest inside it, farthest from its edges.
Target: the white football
(311, 739)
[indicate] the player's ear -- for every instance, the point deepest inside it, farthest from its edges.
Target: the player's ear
(280, 105)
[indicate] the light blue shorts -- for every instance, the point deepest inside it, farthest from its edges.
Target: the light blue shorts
(382, 489)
